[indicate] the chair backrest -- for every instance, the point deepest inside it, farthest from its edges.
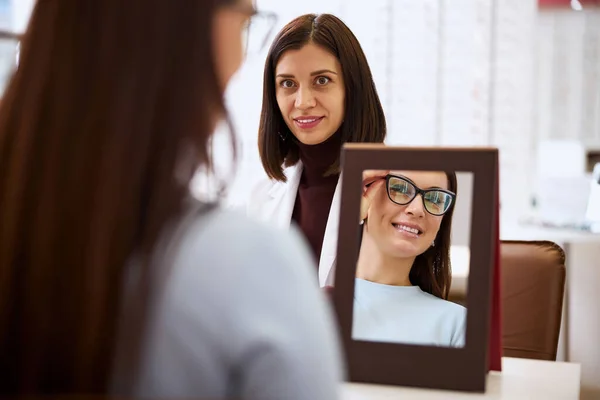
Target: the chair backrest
(533, 281)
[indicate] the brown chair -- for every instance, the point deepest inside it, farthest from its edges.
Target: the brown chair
(533, 282)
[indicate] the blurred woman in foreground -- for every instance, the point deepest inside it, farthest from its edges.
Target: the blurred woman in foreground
(112, 278)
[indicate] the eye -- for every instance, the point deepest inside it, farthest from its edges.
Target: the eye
(400, 187)
(437, 198)
(286, 84)
(322, 80)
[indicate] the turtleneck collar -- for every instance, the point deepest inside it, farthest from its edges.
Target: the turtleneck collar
(316, 159)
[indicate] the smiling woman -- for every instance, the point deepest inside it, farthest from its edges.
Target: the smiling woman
(114, 280)
(318, 93)
(310, 93)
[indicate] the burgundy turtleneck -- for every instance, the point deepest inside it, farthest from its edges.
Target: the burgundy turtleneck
(315, 191)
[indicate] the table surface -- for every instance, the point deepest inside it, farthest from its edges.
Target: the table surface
(520, 379)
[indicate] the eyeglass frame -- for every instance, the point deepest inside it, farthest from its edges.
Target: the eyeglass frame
(272, 18)
(418, 191)
(252, 12)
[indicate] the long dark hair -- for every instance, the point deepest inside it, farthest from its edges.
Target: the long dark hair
(108, 101)
(432, 271)
(364, 119)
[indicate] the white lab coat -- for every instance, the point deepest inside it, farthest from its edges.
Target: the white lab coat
(273, 202)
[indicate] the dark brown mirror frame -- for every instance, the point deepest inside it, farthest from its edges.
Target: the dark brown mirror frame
(465, 368)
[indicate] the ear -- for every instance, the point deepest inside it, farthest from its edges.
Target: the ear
(367, 218)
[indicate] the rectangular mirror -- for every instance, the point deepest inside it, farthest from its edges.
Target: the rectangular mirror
(415, 256)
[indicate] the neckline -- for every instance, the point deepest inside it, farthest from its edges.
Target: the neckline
(317, 159)
(365, 282)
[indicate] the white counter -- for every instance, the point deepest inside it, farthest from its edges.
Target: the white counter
(520, 379)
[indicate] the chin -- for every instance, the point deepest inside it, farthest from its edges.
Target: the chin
(405, 249)
(312, 138)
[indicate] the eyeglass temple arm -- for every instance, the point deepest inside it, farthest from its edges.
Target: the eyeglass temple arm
(10, 35)
(374, 180)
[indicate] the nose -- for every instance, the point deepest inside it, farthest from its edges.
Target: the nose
(305, 99)
(415, 207)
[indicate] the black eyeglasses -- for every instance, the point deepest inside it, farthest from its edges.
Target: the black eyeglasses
(402, 191)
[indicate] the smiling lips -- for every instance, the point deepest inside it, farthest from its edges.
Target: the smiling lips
(308, 122)
(408, 229)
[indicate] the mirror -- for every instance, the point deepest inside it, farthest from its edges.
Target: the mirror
(413, 261)
(401, 323)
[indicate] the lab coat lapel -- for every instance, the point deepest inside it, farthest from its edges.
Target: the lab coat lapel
(329, 249)
(283, 196)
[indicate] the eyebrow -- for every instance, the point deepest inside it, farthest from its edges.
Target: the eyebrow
(411, 181)
(319, 72)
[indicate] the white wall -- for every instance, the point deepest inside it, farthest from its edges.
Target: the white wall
(512, 107)
(21, 10)
(568, 74)
(7, 47)
(463, 73)
(449, 72)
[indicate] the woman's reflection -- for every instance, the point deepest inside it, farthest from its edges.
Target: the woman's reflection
(403, 272)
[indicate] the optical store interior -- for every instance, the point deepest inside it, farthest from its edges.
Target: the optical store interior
(248, 305)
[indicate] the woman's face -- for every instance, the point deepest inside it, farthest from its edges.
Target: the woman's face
(310, 93)
(228, 29)
(405, 231)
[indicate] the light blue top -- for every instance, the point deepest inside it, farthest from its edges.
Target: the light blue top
(242, 316)
(406, 314)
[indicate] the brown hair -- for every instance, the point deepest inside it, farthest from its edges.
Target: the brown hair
(364, 119)
(107, 102)
(431, 271)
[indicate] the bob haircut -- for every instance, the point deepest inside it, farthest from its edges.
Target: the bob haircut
(364, 120)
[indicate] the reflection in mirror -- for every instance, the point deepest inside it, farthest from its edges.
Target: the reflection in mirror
(415, 228)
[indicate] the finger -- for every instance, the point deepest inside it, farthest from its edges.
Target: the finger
(373, 189)
(371, 176)
(369, 183)
(374, 172)
(368, 197)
